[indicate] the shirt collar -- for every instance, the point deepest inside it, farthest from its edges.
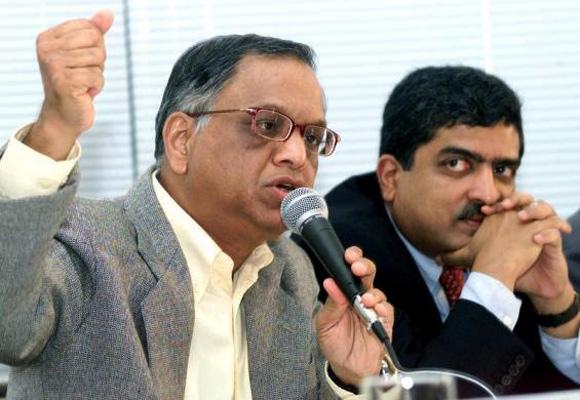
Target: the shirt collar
(201, 251)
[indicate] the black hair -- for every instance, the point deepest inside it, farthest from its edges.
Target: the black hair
(440, 97)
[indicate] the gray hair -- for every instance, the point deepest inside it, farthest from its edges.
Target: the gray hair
(203, 70)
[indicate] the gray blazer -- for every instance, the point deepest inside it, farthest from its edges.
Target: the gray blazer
(96, 302)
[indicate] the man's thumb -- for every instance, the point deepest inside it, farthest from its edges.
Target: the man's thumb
(103, 19)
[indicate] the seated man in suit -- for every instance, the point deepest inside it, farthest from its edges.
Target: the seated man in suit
(184, 288)
(572, 249)
(451, 143)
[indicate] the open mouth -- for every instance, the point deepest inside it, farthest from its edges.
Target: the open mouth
(286, 187)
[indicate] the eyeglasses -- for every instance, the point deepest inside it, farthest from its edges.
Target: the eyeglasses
(275, 126)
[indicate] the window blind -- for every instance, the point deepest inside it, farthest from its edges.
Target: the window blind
(364, 49)
(106, 163)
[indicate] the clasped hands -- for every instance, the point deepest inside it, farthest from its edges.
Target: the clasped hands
(519, 243)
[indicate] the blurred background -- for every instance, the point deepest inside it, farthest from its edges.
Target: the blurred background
(364, 48)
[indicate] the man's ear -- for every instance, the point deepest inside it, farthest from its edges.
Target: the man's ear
(388, 172)
(176, 133)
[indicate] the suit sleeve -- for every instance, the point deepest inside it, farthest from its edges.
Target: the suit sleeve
(36, 278)
(472, 340)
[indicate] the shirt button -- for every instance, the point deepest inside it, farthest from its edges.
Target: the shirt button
(507, 321)
(44, 183)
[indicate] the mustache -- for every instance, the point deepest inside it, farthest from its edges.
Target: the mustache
(470, 210)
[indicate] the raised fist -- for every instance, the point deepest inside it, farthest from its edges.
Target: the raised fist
(71, 57)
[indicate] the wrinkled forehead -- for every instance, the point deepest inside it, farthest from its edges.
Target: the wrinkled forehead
(280, 81)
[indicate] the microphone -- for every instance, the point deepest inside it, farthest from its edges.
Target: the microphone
(305, 213)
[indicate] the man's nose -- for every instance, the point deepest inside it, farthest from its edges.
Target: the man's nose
(484, 187)
(292, 151)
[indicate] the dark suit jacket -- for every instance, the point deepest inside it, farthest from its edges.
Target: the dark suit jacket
(471, 339)
(572, 250)
(96, 302)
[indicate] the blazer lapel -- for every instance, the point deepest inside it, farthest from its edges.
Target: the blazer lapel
(278, 338)
(408, 289)
(167, 310)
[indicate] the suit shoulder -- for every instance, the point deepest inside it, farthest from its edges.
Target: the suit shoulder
(97, 221)
(359, 186)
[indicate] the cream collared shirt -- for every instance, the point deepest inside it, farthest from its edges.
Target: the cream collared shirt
(218, 359)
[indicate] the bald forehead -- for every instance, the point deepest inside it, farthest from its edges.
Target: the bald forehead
(282, 81)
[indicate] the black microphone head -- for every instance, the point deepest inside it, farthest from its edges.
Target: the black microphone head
(301, 204)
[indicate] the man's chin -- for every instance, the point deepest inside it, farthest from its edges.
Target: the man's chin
(275, 228)
(459, 241)
(450, 250)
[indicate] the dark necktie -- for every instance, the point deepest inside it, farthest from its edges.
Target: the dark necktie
(452, 280)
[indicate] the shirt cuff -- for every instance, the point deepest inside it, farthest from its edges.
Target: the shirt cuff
(24, 172)
(564, 354)
(340, 392)
(494, 296)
